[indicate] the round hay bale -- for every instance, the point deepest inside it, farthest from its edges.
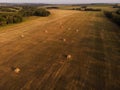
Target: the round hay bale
(64, 39)
(22, 36)
(69, 56)
(77, 30)
(17, 70)
(61, 26)
(69, 28)
(46, 31)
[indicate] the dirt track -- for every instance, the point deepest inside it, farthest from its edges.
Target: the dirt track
(91, 40)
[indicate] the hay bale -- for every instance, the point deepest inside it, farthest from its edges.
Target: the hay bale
(64, 39)
(61, 26)
(46, 31)
(77, 30)
(17, 70)
(69, 56)
(69, 28)
(22, 36)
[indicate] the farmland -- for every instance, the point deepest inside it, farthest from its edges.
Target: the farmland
(40, 48)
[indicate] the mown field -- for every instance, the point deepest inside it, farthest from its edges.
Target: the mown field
(39, 48)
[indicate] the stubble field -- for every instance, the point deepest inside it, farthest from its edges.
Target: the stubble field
(39, 48)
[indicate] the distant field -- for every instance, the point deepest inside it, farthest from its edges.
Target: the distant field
(40, 47)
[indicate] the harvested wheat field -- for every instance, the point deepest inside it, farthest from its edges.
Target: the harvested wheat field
(69, 50)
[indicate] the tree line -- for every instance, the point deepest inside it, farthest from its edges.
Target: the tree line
(113, 16)
(9, 19)
(16, 17)
(85, 8)
(33, 11)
